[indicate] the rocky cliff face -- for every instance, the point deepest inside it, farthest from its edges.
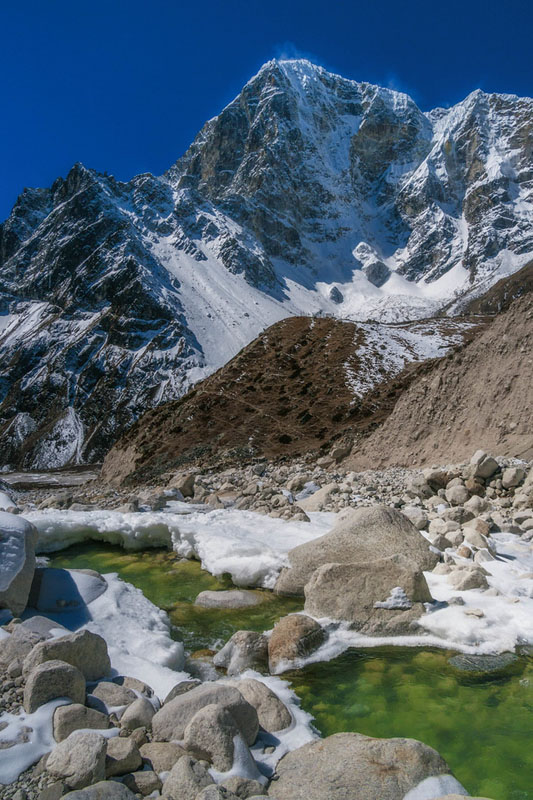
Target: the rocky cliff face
(308, 194)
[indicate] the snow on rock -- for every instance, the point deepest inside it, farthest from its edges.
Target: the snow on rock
(251, 547)
(17, 561)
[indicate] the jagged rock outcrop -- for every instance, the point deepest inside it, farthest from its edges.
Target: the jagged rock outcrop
(309, 193)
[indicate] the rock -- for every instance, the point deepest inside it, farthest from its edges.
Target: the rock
(18, 645)
(170, 721)
(137, 715)
(53, 679)
(441, 542)
(53, 590)
(479, 525)
(294, 636)
(484, 465)
(361, 534)
(319, 499)
(512, 477)
(183, 482)
(475, 538)
(186, 780)
(233, 598)
(135, 684)
(340, 451)
(460, 797)
(144, 782)
(210, 734)
(273, 715)
(489, 665)
(18, 538)
(161, 756)
(245, 650)
(380, 597)
(84, 650)
(216, 793)
(181, 688)
(477, 505)
(243, 787)
(435, 478)
(417, 486)
(103, 790)
(416, 515)
(463, 580)
(110, 695)
(75, 717)
(349, 766)
(122, 756)
(43, 626)
(79, 760)
(457, 495)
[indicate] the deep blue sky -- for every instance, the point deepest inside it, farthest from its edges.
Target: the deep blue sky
(124, 85)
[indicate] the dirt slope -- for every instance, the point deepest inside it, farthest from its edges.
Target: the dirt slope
(481, 396)
(302, 385)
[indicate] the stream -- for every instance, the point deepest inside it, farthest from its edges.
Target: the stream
(481, 723)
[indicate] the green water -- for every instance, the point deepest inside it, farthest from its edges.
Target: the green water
(173, 584)
(482, 727)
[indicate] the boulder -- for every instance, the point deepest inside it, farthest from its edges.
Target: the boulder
(216, 793)
(143, 782)
(122, 756)
(103, 790)
(183, 482)
(416, 515)
(84, 650)
(243, 787)
(137, 715)
(79, 760)
(436, 478)
(294, 636)
(161, 756)
(484, 466)
(417, 486)
(350, 766)
(380, 597)
(75, 717)
(170, 721)
(53, 679)
(245, 650)
(273, 715)
(110, 695)
(18, 645)
(361, 534)
(457, 495)
(186, 780)
(512, 477)
(463, 580)
(210, 734)
(18, 538)
(181, 688)
(319, 499)
(232, 598)
(53, 590)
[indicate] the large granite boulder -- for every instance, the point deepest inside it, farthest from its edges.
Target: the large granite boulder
(18, 538)
(50, 680)
(79, 760)
(361, 534)
(350, 766)
(272, 713)
(382, 597)
(169, 723)
(103, 790)
(85, 650)
(245, 650)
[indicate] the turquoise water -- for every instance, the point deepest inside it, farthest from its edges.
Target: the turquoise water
(482, 725)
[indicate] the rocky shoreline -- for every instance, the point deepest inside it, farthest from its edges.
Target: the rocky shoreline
(399, 535)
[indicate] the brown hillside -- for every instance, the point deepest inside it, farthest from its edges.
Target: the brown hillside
(480, 397)
(285, 394)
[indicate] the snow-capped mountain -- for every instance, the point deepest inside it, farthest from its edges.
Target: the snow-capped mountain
(308, 194)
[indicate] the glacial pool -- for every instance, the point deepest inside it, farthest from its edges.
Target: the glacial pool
(481, 724)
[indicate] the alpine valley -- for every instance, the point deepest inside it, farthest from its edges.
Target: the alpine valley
(309, 195)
